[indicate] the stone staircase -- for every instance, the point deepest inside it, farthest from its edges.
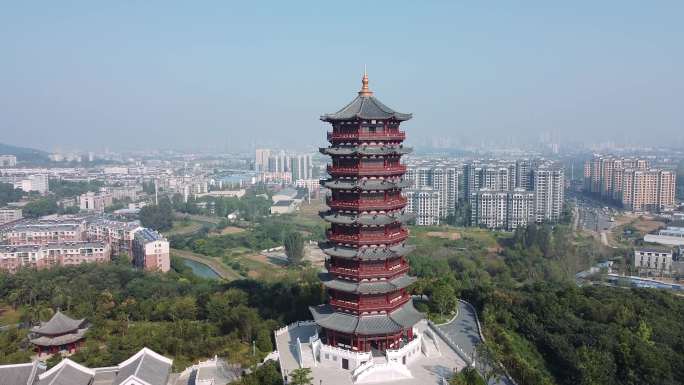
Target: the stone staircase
(307, 356)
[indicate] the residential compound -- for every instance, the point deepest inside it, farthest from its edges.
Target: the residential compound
(500, 194)
(632, 182)
(13, 257)
(273, 166)
(8, 160)
(46, 242)
(150, 250)
(27, 182)
(9, 214)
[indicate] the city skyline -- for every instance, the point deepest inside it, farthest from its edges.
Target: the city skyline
(123, 76)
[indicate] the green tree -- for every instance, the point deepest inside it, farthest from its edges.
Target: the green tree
(301, 376)
(443, 298)
(40, 207)
(467, 376)
(157, 217)
(294, 247)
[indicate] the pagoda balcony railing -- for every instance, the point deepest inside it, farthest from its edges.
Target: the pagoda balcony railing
(366, 170)
(365, 272)
(366, 204)
(381, 135)
(368, 239)
(366, 306)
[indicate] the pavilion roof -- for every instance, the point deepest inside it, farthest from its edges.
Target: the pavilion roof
(60, 323)
(61, 339)
(402, 318)
(365, 106)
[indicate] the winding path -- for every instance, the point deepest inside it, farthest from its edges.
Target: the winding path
(464, 331)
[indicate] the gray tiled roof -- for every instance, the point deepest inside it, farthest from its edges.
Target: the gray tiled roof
(366, 219)
(364, 184)
(66, 372)
(365, 150)
(367, 287)
(365, 107)
(59, 340)
(60, 323)
(147, 366)
(20, 374)
(366, 253)
(402, 318)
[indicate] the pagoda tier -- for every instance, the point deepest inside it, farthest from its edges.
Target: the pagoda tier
(366, 278)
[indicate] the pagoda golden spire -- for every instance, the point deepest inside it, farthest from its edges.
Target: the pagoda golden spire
(365, 91)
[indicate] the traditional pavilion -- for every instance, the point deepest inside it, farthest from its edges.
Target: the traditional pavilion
(61, 334)
(369, 308)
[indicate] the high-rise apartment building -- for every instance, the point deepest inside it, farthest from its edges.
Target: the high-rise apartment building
(505, 210)
(549, 188)
(261, 159)
(425, 203)
(443, 179)
(631, 182)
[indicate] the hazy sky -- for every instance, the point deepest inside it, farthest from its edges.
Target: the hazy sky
(203, 74)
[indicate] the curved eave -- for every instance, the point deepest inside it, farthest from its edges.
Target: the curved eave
(366, 108)
(377, 324)
(365, 185)
(366, 219)
(366, 253)
(365, 150)
(367, 287)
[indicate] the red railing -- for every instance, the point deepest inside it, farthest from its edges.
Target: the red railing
(379, 306)
(366, 170)
(382, 135)
(366, 204)
(368, 239)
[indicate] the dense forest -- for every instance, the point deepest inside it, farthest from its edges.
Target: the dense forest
(175, 314)
(542, 326)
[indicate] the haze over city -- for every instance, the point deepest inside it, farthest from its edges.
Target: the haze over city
(234, 76)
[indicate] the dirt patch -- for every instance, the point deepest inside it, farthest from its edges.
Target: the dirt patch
(453, 236)
(647, 225)
(232, 230)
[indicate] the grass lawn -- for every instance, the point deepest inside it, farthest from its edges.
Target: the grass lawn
(9, 316)
(183, 228)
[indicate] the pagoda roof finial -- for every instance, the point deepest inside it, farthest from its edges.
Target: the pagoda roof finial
(365, 91)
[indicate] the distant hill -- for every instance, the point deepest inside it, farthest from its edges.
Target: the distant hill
(23, 153)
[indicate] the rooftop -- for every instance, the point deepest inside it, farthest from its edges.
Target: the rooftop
(144, 367)
(365, 106)
(60, 323)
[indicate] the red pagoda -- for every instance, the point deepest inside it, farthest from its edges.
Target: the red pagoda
(369, 307)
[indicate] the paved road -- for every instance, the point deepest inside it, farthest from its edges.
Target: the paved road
(464, 332)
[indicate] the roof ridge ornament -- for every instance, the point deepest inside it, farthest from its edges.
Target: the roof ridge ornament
(365, 91)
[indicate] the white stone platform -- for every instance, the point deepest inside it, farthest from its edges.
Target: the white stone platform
(428, 359)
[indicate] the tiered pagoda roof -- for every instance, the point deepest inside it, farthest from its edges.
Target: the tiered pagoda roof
(59, 330)
(365, 106)
(402, 318)
(367, 270)
(380, 286)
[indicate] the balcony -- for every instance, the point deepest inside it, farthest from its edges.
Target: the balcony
(367, 136)
(367, 273)
(368, 238)
(366, 204)
(359, 171)
(370, 306)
